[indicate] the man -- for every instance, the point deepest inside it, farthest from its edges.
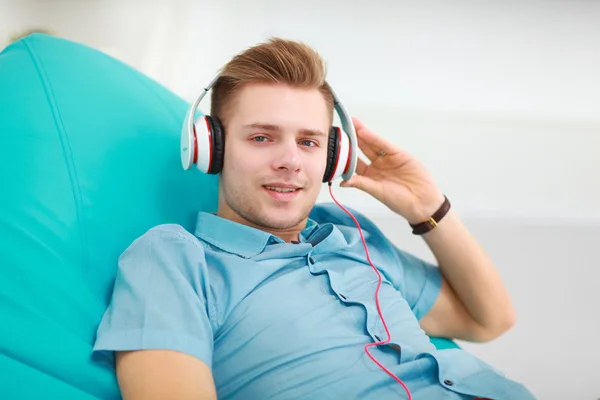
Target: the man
(273, 297)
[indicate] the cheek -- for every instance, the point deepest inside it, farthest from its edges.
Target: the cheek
(241, 162)
(316, 167)
(322, 162)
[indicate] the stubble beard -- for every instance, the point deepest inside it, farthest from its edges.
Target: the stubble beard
(256, 216)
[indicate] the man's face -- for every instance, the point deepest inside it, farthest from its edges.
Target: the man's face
(275, 155)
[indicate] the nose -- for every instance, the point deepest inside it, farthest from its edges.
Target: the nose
(287, 156)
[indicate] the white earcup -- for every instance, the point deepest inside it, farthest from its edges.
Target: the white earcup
(196, 146)
(187, 147)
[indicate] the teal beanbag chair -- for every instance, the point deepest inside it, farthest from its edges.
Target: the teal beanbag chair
(88, 162)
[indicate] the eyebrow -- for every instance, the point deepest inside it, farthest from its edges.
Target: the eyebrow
(277, 128)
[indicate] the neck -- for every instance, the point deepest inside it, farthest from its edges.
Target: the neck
(288, 234)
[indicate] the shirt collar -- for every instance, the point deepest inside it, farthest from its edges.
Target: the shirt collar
(235, 238)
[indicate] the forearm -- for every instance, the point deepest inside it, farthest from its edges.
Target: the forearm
(471, 274)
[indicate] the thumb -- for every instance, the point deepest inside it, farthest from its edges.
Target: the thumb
(361, 182)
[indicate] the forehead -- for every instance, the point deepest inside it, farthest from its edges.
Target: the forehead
(279, 104)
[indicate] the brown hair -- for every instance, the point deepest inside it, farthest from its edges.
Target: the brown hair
(275, 61)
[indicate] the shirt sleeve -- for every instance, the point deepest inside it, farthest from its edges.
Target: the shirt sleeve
(417, 280)
(420, 282)
(159, 299)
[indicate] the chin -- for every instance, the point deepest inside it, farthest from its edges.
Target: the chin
(282, 220)
(288, 213)
(268, 213)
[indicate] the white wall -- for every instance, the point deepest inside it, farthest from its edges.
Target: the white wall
(551, 274)
(501, 100)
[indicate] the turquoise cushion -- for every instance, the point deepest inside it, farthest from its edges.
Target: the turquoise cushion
(443, 343)
(88, 162)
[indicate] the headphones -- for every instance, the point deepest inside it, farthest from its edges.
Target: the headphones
(203, 142)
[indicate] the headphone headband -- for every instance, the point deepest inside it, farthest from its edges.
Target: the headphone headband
(187, 138)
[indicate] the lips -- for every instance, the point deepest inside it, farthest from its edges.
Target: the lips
(282, 192)
(281, 189)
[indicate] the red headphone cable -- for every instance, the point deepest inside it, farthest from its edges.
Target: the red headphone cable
(376, 300)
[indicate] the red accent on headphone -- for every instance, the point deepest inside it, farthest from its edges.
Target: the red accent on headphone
(210, 145)
(195, 146)
(348, 159)
(337, 156)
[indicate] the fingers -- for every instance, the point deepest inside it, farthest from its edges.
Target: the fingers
(367, 150)
(361, 166)
(363, 183)
(372, 145)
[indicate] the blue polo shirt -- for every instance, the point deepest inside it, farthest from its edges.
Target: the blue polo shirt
(277, 320)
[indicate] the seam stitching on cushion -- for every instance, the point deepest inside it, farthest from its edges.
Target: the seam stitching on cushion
(148, 87)
(46, 368)
(80, 389)
(66, 147)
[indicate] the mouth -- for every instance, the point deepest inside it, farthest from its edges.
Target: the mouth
(281, 189)
(282, 192)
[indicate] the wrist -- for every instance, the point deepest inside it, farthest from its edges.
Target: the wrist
(427, 224)
(426, 209)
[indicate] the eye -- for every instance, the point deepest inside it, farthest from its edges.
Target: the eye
(310, 143)
(260, 139)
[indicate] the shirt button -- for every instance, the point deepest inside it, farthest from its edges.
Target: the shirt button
(448, 382)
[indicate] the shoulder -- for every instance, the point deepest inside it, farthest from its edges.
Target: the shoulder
(166, 234)
(375, 238)
(164, 243)
(378, 243)
(171, 231)
(332, 213)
